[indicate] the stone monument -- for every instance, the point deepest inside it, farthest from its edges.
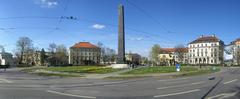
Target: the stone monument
(121, 40)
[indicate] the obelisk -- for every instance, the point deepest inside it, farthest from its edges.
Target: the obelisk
(121, 36)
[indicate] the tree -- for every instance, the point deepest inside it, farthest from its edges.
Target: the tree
(52, 47)
(42, 56)
(2, 49)
(155, 51)
(179, 52)
(59, 55)
(24, 45)
(108, 55)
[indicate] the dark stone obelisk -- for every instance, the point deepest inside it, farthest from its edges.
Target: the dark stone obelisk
(121, 36)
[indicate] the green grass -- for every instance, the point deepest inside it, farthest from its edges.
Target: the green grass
(160, 69)
(59, 75)
(200, 72)
(75, 69)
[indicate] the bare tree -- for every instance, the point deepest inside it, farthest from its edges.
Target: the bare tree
(2, 49)
(179, 51)
(59, 55)
(24, 45)
(52, 47)
(107, 54)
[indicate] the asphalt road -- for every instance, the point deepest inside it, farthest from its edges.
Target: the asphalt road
(221, 85)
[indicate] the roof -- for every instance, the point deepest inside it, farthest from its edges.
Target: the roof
(84, 45)
(170, 50)
(204, 39)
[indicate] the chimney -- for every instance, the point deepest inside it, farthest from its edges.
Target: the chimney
(201, 36)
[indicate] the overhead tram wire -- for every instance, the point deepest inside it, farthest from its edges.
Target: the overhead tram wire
(28, 17)
(142, 33)
(150, 16)
(60, 18)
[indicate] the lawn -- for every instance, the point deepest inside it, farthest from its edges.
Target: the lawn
(75, 69)
(161, 69)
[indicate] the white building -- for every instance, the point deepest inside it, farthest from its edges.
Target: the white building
(6, 59)
(206, 50)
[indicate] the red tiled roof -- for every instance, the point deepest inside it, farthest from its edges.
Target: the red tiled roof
(169, 50)
(84, 45)
(203, 39)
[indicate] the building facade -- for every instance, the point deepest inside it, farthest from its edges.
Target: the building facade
(171, 56)
(236, 52)
(84, 53)
(6, 59)
(206, 50)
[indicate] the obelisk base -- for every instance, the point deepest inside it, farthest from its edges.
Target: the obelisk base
(119, 66)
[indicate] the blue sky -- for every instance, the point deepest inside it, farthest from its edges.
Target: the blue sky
(181, 21)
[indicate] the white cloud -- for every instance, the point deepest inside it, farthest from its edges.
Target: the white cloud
(47, 3)
(98, 26)
(136, 39)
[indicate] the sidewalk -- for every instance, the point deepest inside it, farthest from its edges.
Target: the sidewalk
(101, 76)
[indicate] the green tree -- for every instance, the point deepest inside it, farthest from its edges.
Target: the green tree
(155, 51)
(43, 56)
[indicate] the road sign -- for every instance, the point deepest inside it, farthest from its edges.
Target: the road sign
(177, 67)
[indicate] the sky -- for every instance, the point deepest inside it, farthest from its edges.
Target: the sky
(147, 22)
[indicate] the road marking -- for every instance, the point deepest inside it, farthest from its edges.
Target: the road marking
(65, 94)
(230, 81)
(173, 79)
(196, 83)
(223, 95)
(179, 93)
(5, 80)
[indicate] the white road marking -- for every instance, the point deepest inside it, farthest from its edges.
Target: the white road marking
(230, 81)
(173, 79)
(65, 94)
(5, 80)
(196, 83)
(172, 94)
(223, 96)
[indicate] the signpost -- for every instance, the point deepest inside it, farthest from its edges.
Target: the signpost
(177, 67)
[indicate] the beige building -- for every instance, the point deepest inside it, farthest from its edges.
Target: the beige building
(133, 58)
(236, 52)
(206, 50)
(169, 56)
(84, 53)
